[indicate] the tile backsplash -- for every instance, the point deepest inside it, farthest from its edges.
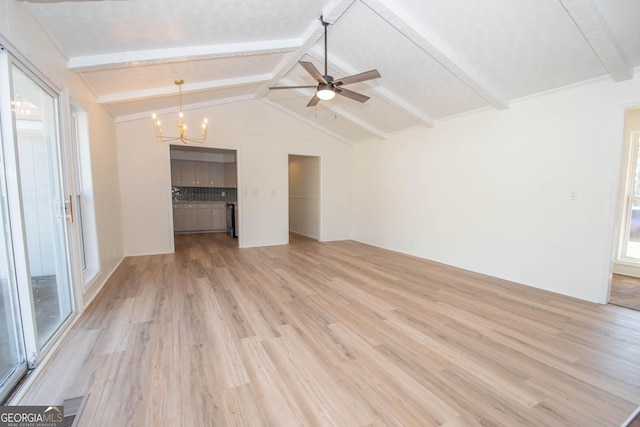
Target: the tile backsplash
(201, 194)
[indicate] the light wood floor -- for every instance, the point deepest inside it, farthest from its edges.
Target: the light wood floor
(625, 291)
(338, 334)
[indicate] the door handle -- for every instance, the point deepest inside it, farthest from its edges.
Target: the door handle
(70, 208)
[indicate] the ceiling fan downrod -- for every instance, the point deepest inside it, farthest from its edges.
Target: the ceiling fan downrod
(326, 60)
(326, 87)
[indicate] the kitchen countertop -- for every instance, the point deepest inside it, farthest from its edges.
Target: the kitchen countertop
(182, 202)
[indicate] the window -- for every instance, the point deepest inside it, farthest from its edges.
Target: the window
(84, 209)
(631, 230)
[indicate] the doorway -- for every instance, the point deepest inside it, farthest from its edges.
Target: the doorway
(304, 196)
(625, 286)
(204, 189)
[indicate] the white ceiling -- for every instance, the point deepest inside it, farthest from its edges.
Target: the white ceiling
(438, 59)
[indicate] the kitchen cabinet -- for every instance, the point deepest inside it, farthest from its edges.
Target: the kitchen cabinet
(190, 218)
(187, 173)
(230, 176)
(201, 174)
(216, 174)
(178, 218)
(205, 217)
(176, 169)
(183, 173)
(191, 173)
(220, 217)
(199, 217)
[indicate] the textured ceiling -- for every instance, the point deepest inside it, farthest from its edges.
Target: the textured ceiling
(438, 59)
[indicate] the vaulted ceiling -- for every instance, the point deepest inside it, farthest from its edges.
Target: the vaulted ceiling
(438, 59)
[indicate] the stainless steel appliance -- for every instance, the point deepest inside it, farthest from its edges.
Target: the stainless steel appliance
(231, 220)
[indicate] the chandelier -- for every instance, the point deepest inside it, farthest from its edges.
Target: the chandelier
(182, 128)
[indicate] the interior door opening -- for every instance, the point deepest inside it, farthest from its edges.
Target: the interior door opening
(625, 286)
(304, 196)
(628, 248)
(204, 190)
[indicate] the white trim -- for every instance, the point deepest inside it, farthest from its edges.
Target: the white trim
(405, 24)
(587, 17)
(16, 217)
(626, 269)
(631, 417)
(307, 121)
(215, 102)
(164, 91)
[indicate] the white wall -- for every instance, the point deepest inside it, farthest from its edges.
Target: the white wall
(304, 195)
(20, 31)
(264, 138)
(490, 191)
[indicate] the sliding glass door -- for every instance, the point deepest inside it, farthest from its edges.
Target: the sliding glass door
(43, 203)
(12, 356)
(37, 297)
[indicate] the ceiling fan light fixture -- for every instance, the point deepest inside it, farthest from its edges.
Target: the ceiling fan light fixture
(325, 94)
(327, 86)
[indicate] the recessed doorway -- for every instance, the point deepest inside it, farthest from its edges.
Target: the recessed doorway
(625, 285)
(204, 189)
(304, 196)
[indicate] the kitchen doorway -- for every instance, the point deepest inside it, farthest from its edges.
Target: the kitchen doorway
(204, 188)
(304, 196)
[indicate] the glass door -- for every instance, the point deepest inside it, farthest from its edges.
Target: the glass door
(36, 298)
(43, 203)
(12, 355)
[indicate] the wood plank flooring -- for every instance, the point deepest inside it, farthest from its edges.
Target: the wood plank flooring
(338, 334)
(625, 291)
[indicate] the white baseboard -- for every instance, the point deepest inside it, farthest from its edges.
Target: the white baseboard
(626, 269)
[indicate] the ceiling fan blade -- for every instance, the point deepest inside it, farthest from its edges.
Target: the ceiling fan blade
(314, 101)
(351, 94)
(294, 87)
(311, 69)
(356, 78)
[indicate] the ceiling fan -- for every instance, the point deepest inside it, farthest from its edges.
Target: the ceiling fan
(327, 87)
